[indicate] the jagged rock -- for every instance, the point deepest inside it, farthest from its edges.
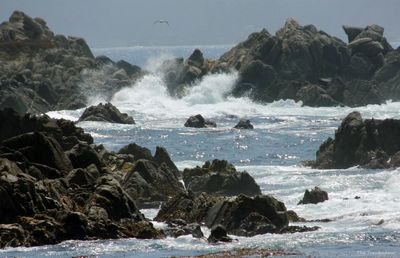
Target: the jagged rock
(369, 143)
(198, 121)
(188, 207)
(137, 151)
(149, 183)
(314, 196)
(13, 124)
(219, 178)
(82, 155)
(42, 71)
(244, 124)
(248, 216)
(105, 113)
(218, 234)
(38, 148)
(45, 201)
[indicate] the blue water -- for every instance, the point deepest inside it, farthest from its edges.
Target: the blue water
(285, 134)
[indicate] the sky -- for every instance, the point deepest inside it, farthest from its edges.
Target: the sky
(108, 23)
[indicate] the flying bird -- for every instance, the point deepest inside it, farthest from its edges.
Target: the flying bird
(161, 21)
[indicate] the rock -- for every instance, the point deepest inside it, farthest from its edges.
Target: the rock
(219, 178)
(188, 207)
(314, 196)
(105, 113)
(129, 69)
(42, 71)
(244, 124)
(352, 32)
(369, 143)
(246, 216)
(82, 155)
(38, 148)
(14, 124)
(218, 234)
(161, 156)
(198, 121)
(137, 151)
(149, 182)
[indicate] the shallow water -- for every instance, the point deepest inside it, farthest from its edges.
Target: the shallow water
(285, 134)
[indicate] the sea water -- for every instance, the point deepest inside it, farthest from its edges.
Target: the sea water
(285, 134)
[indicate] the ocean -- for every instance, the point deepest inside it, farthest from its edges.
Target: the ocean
(285, 134)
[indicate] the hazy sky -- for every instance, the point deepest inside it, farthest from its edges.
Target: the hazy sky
(131, 22)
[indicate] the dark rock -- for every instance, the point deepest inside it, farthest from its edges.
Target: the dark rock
(14, 124)
(244, 124)
(293, 217)
(82, 155)
(150, 182)
(219, 178)
(162, 156)
(188, 207)
(137, 151)
(369, 143)
(129, 69)
(38, 148)
(314, 196)
(248, 216)
(352, 32)
(218, 234)
(105, 113)
(198, 121)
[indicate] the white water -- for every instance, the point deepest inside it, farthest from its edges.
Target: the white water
(285, 134)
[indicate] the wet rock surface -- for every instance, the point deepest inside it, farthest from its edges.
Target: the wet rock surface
(219, 178)
(42, 71)
(54, 189)
(198, 121)
(314, 196)
(105, 113)
(371, 143)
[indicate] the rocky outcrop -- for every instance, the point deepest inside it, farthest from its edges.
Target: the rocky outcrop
(198, 121)
(149, 180)
(308, 65)
(244, 124)
(180, 74)
(219, 178)
(304, 64)
(42, 71)
(242, 215)
(56, 186)
(371, 143)
(314, 196)
(105, 113)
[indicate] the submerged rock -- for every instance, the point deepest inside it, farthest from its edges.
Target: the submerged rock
(314, 196)
(105, 113)
(198, 121)
(244, 124)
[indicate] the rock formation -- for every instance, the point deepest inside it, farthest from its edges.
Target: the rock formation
(314, 196)
(370, 143)
(105, 113)
(41, 71)
(55, 185)
(198, 121)
(219, 178)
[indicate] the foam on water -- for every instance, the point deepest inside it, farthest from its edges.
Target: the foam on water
(285, 134)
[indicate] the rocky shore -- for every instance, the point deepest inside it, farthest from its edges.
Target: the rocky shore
(304, 64)
(42, 71)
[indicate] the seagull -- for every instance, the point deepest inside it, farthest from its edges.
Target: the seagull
(161, 21)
